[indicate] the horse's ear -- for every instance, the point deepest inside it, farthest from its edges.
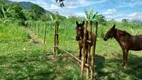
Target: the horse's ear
(83, 23)
(76, 22)
(113, 26)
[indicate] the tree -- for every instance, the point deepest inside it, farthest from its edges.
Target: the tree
(2, 1)
(16, 11)
(125, 20)
(101, 19)
(61, 2)
(38, 10)
(29, 14)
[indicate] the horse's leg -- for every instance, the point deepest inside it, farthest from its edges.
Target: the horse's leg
(123, 62)
(125, 55)
(80, 53)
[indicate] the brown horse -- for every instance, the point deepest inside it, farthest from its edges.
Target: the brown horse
(125, 40)
(79, 37)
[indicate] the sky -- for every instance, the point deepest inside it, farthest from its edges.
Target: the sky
(111, 9)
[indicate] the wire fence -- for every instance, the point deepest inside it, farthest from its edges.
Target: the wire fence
(45, 31)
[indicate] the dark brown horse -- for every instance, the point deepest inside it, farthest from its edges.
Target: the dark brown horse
(79, 37)
(125, 40)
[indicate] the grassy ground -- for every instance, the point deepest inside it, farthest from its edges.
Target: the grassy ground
(21, 57)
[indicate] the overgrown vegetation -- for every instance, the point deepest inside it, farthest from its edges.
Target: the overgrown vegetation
(23, 57)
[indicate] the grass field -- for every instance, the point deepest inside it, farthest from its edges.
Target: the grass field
(21, 58)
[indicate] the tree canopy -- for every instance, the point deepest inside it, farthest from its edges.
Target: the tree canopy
(61, 2)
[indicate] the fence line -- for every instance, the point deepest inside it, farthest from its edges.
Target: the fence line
(74, 56)
(89, 66)
(67, 36)
(32, 27)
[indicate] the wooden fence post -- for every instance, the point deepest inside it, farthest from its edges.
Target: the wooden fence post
(89, 50)
(44, 33)
(38, 25)
(30, 26)
(84, 51)
(34, 28)
(93, 50)
(56, 37)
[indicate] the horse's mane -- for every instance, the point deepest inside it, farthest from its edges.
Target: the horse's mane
(125, 33)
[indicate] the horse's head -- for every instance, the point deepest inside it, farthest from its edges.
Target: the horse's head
(110, 33)
(79, 30)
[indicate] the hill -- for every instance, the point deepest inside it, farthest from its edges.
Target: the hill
(26, 5)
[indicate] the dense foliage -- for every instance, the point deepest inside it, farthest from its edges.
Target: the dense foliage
(13, 11)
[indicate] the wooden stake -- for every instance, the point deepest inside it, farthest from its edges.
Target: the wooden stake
(56, 37)
(44, 33)
(83, 55)
(28, 25)
(57, 40)
(34, 28)
(32, 25)
(38, 25)
(93, 51)
(89, 50)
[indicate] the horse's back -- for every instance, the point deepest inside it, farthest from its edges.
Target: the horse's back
(138, 38)
(137, 42)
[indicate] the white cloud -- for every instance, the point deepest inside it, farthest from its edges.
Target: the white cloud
(80, 14)
(62, 11)
(81, 3)
(53, 6)
(135, 16)
(131, 3)
(71, 7)
(109, 12)
(119, 17)
(68, 10)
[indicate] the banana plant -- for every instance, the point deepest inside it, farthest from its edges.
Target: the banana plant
(90, 15)
(5, 12)
(53, 20)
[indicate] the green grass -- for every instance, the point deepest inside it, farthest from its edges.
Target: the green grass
(22, 59)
